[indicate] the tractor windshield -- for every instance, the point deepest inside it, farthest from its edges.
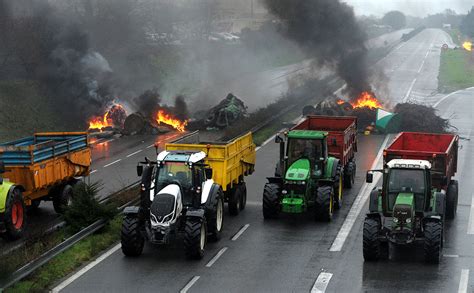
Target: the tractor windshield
(311, 149)
(174, 172)
(406, 181)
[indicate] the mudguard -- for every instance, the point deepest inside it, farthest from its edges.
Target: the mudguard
(440, 203)
(331, 168)
(195, 213)
(131, 211)
(213, 193)
(145, 187)
(374, 201)
(5, 189)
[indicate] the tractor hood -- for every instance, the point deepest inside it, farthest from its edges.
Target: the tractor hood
(404, 210)
(298, 171)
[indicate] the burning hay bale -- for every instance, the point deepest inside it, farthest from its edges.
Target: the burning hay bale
(226, 113)
(137, 123)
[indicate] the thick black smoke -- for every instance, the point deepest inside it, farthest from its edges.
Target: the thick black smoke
(148, 102)
(328, 31)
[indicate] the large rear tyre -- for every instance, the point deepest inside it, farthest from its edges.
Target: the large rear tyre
(324, 204)
(131, 237)
(195, 238)
(235, 199)
(63, 199)
(15, 215)
(216, 222)
(452, 200)
(271, 201)
(433, 242)
(371, 243)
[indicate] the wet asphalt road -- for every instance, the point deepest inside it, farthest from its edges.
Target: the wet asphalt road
(293, 254)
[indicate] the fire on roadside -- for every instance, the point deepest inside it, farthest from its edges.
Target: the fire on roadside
(115, 115)
(168, 119)
(467, 46)
(366, 100)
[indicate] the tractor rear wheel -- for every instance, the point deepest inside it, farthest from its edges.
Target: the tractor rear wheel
(62, 199)
(131, 237)
(271, 202)
(371, 242)
(452, 200)
(216, 214)
(195, 238)
(324, 203)
(349, 175)
(235, 199)
(433, 241)
(15, 215)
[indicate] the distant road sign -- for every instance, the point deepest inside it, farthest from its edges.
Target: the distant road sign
(445, 47)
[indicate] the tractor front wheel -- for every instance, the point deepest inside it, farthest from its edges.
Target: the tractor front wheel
(324, 203)
(15, 215)
(371, 242)
(131, 237)
(195, 238)
(271, 202)
(433, 241)
(452, 200)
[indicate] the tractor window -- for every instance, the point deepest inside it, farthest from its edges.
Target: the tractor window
(311, 149)
(174, 172)
(406, 181)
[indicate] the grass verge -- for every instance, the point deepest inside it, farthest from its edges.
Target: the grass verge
(456, 71)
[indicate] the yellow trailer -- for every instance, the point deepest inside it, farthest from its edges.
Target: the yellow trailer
(230, 162)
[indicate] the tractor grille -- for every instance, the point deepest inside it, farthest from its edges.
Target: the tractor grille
(402, 213)
(296, 188)
(162, 205)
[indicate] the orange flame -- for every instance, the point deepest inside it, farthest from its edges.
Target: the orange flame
(165, 118)
(340, 102)
(366, 100)
(467, 46)
(101, 122)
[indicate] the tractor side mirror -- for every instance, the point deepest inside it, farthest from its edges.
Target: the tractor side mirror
(139, 170)
(208, 172)
(369, 177)
(278, 139)
(2, 167)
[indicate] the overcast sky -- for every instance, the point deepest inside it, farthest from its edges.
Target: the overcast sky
(411, 7)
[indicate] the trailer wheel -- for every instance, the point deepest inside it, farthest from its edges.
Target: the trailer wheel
(371, 243)
(452, 200)
(433, 241)
(131, 238)
(324, 203)
(62, 199)
(349, 175)
(235, 199)
(15, 216)
(195, 238)
(271, 202)
(243, 198)
(216, 214)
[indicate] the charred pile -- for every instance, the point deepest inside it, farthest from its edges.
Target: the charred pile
(226, 113)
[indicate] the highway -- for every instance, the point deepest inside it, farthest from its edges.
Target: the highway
(295, 254)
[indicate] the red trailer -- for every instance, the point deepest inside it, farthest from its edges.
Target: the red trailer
(441, 150)
(342, 134)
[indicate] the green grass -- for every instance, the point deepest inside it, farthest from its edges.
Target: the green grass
(456, 70)
(68, 261)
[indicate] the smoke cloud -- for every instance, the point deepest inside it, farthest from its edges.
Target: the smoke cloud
(328, 31)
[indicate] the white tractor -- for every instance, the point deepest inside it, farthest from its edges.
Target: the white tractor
(178, 196)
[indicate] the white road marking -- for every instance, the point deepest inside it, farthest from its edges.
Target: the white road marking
(470, 227)
(85, 269)
(359, 203)
(463, 282)
(321, 283)
(424, 60)
(241, 231)
(216, 257)
(150, 146)
(190, 284)
(114, 162)
(405, 99)
(92, 172)
(451, 255)
(133, 154)
(450, 95)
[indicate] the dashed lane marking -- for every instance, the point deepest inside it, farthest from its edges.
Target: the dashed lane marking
(470, 227)
(241, 231)
(189, 284)
(114, 162)
(451, 255)
(216, 257)
(133, 154)
(358, 204)
(321, 283)
(92, 172)
(464, 281)
(84, 270)
(410, 89)
(150, 146)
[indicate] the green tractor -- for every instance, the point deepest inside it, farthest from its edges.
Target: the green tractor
(311, 173)
(12, 209)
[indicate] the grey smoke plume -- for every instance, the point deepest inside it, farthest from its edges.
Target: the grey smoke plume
(328, 31)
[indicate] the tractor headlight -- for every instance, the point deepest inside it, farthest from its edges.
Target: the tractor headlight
(284, 191)
(395, 220)
(408, 221)
(302, 182)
